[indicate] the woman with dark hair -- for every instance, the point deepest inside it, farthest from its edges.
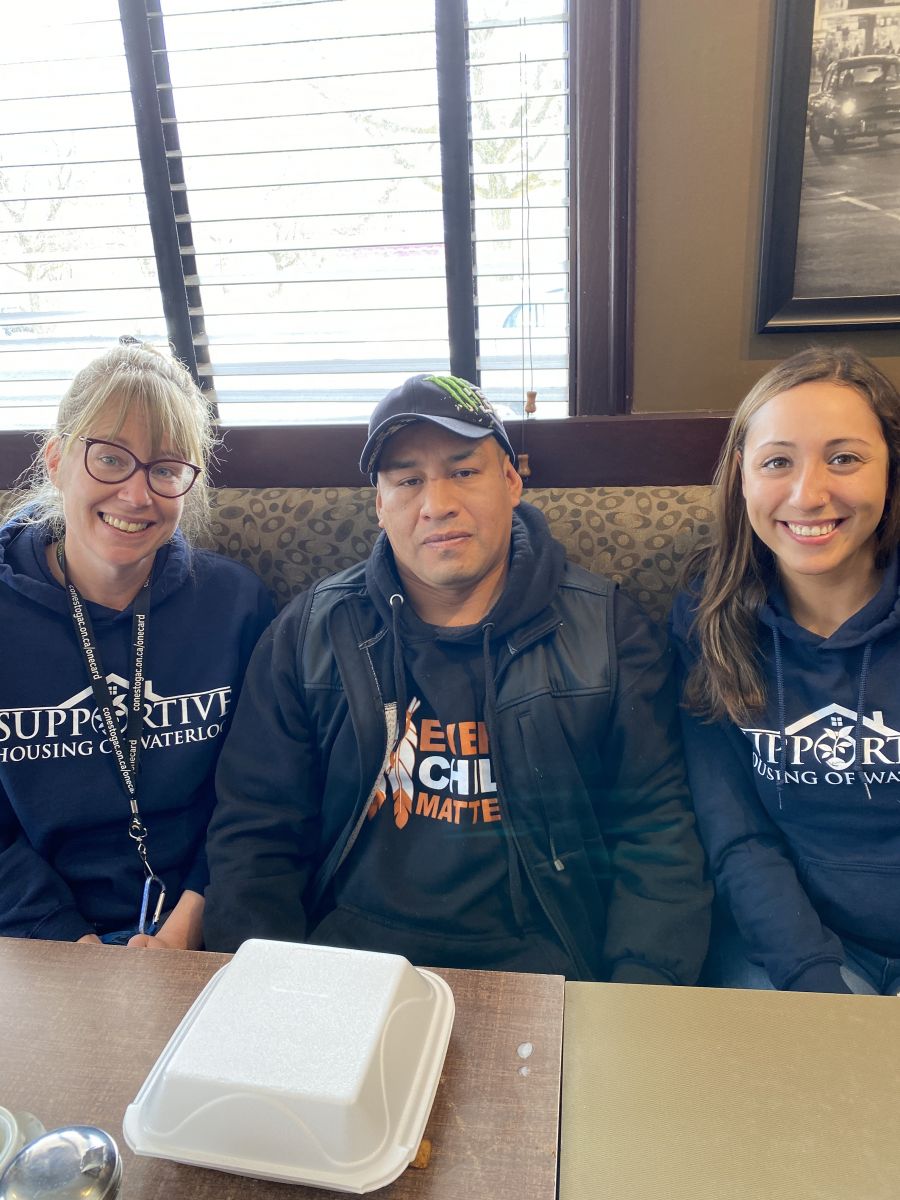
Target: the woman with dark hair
(123, 652)
(789, 635)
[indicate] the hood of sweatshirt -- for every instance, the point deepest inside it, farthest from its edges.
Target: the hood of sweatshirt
(24, 569)
(874, 620)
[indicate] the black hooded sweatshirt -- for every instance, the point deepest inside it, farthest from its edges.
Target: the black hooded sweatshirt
(437, 820)
(528, 809)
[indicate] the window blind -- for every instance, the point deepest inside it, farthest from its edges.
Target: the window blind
(77, 267)
(519, 94)
(306, 200)
(308, 138)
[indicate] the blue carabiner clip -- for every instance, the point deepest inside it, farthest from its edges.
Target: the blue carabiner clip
(149, 883)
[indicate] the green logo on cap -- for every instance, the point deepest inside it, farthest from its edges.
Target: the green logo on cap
(466, 396)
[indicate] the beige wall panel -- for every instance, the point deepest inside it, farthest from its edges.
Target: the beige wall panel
(702, 104)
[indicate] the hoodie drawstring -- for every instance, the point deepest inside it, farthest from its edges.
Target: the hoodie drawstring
(861, 698)
(860, 701)
(399, 667)
(516, 894)
(779, 689)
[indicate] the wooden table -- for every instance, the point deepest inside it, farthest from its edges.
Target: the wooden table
(701, 1094)
(81, 1026)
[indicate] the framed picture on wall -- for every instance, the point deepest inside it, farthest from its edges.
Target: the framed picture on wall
(830, 247)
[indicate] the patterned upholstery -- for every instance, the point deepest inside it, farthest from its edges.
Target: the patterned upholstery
(639, 536)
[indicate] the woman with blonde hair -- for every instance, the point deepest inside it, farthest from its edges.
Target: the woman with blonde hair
(789, 636)
(124, 650)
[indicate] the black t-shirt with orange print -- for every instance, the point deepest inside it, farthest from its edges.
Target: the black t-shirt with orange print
(429, 875)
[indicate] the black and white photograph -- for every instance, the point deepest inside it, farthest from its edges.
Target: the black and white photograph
(850, 199)
(833, 201)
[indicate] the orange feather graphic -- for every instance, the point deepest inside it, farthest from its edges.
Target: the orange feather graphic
(398, 779)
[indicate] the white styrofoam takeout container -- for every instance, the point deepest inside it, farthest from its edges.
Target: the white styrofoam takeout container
(305, 1064)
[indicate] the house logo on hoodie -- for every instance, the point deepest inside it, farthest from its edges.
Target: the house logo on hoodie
(832, 745)
(73, 727)
(440, 772)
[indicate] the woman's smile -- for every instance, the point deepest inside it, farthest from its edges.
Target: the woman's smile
(124, 525)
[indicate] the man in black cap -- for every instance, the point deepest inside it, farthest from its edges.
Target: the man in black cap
(465, 749)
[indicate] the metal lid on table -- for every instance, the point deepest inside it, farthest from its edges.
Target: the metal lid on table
(78, 1161)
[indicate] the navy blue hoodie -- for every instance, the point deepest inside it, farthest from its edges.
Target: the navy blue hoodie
(67, 864)
(800, 810)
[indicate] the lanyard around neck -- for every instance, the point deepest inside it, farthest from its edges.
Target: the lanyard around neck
(126, 751)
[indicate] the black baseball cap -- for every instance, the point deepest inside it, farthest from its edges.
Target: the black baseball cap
(444, 400)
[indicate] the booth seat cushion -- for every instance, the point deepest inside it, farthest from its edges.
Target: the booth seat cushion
(639, 536)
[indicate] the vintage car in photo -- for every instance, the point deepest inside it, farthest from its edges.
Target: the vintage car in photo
(857, 98)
